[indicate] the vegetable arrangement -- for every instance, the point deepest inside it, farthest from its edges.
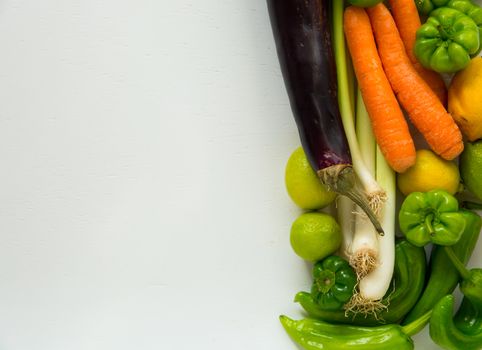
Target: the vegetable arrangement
(358, 75)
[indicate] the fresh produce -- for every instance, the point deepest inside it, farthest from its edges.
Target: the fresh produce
(430, 172)
(421, 104)
(447, 40)
(305, 53)
(364, 3)
(406, 287)
(303, 185)
(334, 282)
(473, 11)
(316, 335)
(368, 290)
(465, 6)
(465, 99)
(443, 276)
(427, 6)
(433, 216)
(471, 285)
(387, 120)
(408, 22)
(471, 167)
(376, 283)
(372, 190)
(363, 251)
(451, 336)
(314, 236)
(468, 318)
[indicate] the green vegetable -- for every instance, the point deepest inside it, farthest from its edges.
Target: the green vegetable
(447, 40)
(468, 318)
(431, 217)
(407, 285)
(334, 282)
(444, 331)
(473, 11)
(426, 6)
(443, 275)
(364, 3)
(316, 335)
(471, 285)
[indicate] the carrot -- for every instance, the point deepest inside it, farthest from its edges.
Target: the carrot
(388, 123)
(408, 21)
(421, 104)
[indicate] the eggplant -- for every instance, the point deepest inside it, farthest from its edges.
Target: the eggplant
(303, 36)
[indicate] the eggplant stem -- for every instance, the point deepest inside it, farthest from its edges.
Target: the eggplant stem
(340, 178)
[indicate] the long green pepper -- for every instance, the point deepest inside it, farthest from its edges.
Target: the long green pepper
(444, 277)
(315, 335)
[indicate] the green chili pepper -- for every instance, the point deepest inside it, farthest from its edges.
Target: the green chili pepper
(431, 217)
(316, 335)
(444, 277)
(447, 40)
(407, 285)
(334, 282)
(445, 333)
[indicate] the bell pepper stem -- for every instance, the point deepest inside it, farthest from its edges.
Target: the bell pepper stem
(416, 326)
(428, 224)
(462, 270)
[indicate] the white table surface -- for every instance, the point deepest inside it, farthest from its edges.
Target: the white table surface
(142, 203)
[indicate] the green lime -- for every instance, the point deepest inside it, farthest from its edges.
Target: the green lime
(315, 236)
(471, 167)
(303, 185)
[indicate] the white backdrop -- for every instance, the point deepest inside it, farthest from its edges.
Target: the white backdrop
(142, 203)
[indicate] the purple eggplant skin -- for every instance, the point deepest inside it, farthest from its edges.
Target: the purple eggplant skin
(303, 37)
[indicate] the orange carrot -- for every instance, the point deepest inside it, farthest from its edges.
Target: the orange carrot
(408, 21)
(421, 104)
(388, 123)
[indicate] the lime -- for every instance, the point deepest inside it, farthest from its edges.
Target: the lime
(314, 236)
(430, 172)
(471, 167)
(303, 185)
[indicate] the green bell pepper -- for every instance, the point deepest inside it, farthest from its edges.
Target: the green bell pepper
(315, 335)
(407, 285)
(447, 40)
(431, 217)
(334, 282)
(450, 335)
(444, 277)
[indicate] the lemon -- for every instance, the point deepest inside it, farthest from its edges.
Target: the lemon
(303, 185)
(471, 167)
(430, 172)
(314, 236)
(465, 99)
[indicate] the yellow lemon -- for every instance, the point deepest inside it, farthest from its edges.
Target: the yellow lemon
(430, 172)
(465, 99)
(303, 185)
